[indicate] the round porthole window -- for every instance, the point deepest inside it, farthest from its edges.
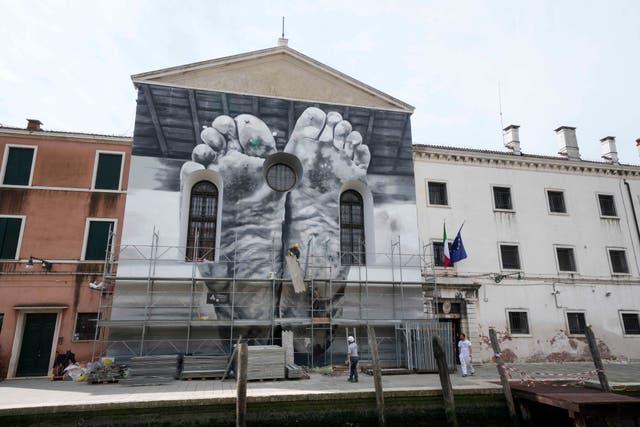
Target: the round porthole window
(282, 171)
(281, 177)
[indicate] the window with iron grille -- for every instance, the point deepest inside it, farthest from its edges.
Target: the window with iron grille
(618, 261)
(438, 253)
(566, 260)
(9, 237)
(17, 170)
(519, 322)
(86, 324)
(631, 323)
(438, 193)
(556, 202)
(203, 217)
(577, 323)
(510, 257)
(502, 198)
(607, 205)
(352, 245)
(108, 171)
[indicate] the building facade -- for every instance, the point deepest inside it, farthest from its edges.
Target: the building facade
(552, 246)
(62, 196)
(234, 161)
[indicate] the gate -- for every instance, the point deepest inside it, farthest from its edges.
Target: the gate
(418, 337)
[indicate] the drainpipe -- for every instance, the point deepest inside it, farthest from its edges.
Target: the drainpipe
(633, 208)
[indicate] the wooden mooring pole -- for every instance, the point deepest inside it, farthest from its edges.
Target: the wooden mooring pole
(511, 407)
(377, 375)
(445, 382)
(241, 387)
(597, 361)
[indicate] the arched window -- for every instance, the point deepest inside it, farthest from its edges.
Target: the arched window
(203, 215)
(352, 246)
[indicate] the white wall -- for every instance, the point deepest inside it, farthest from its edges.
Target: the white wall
(537, 231)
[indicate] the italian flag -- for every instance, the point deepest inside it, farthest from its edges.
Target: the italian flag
(445, 246)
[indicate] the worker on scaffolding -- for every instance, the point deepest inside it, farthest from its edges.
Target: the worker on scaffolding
(295, 250)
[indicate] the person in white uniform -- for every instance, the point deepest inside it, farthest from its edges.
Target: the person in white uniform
(464, 345)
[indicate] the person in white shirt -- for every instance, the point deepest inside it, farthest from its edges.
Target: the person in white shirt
(464, 345)
(352, 359)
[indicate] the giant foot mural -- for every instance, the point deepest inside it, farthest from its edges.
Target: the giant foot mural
(254, 215)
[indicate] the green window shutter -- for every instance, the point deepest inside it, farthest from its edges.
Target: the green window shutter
(9, 236)
(97, 240)
(19, 162)
(108, 173)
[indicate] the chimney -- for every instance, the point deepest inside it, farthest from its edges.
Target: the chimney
(638, 144)
(282, 41)
(34, 124)
(609, 152)
(568, 142)
(511, 138)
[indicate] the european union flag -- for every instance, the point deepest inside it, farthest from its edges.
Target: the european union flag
(457, 252)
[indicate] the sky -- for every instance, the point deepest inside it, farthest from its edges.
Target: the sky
(554, 63)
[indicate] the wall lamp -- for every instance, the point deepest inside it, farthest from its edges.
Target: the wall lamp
(45, 264)
(500, 277)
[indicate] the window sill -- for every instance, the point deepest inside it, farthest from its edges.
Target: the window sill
(559, 213)
(520, 335)
(631, 335)
(15, 186)
(568, 272)
(617, 218)
(504, 210)
(432, 205)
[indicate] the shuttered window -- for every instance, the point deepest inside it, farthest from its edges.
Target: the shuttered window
(352, 245)
(98, 240)
(18, 167)
(9, 237)
(108, 171)
(203, 214)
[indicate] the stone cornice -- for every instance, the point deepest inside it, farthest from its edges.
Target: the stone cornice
(525, 162)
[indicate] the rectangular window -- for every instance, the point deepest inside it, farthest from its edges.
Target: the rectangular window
(556, 202)
(438, 253)
(566, 260)
(577, 323)
(1, 320)
(98, 239)
(502, 198)
(86, 324)
(108, 171)
(631, 323)
(438, 193)
(510, 257)
(19, 161)
(519, 322)
(9, 237)
(618, 259)
(607, 205)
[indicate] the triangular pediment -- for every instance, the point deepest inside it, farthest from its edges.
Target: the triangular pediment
(279, 72)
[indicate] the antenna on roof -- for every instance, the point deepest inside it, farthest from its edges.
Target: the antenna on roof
(282, 41)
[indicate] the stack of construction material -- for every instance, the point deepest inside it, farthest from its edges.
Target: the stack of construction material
(204, 366)
(153, 370)
(266, 362)
(294, 371)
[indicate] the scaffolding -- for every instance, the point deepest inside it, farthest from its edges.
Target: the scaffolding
(159, 303)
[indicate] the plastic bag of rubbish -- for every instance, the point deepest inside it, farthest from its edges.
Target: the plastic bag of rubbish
(73, 371)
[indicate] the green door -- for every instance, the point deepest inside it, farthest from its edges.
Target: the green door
(35, 353)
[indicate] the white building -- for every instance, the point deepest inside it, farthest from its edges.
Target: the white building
(552, 244)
